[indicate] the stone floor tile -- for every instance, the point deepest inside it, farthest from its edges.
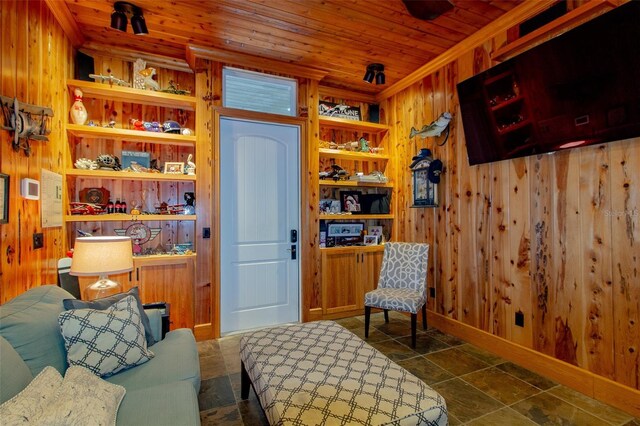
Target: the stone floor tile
(251, 411)
(425, 343)
(446, 338)
(505, 416)
(394, 350)
(528, 376)
(350, 323)
(375, 335)
(228, 415)
(464, 401)
(212, 366)
(546, 409)
(634, 422)
(425, 370)
(456, 361)
(481, 354)
(590, 405)
(500, 385)
(398, 328)
(208, 348)
(215, 393)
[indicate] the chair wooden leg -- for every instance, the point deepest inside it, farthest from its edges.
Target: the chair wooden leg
(367, 314)
(424, 316)
(414, 320)
(386, 315)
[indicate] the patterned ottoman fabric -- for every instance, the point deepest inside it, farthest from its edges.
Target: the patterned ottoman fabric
(320, 373)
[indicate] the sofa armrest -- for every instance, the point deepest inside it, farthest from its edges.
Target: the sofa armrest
(155, 319)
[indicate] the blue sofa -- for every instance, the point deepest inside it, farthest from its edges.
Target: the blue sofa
(162, 391)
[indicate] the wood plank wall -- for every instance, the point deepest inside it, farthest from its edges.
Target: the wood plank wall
(556, 237)
(36, 56)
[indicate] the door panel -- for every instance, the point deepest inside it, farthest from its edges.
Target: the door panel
(259, 196)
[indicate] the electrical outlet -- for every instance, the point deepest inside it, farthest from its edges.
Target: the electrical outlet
(38, 240)
(520, 319)
(432, 292)
(206, 232)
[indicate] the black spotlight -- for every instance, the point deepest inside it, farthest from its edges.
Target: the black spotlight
(374, 70)
(138, 25)
(368, 76)
(123, 10)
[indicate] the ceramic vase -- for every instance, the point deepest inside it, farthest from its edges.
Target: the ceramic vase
(78, 111)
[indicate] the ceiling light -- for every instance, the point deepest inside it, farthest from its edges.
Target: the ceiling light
(123, 10)
(377, 71)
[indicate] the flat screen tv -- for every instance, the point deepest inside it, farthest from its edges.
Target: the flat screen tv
(580, 88)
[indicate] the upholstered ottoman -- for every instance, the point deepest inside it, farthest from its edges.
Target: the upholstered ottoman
(321, 373)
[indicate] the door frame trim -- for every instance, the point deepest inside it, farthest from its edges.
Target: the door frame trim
(222, 112)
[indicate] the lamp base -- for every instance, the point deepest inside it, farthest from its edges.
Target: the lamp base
(102, 288)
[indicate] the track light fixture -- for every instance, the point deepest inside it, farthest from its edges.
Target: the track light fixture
(123, 10)
(374, 71)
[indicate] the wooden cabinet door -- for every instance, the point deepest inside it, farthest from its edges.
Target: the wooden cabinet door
(370, 265)
(172, 282)
(339, 282)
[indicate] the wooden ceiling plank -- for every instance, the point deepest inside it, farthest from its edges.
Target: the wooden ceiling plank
(64, 17)
(515, 15)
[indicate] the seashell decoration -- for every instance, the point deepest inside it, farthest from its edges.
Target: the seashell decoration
(86, 164)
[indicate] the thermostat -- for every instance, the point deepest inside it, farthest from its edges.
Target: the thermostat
(30, 189)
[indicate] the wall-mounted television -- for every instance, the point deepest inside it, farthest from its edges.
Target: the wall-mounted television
(577, 89)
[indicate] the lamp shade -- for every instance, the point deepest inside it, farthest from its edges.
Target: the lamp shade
(119, 21)
(138, 25)
(380, 77)
(101, 256)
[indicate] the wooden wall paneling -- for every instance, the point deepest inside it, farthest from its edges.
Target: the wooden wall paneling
(519, 203)
(567, 310)
(597, 275)
(310, 226)
(543, 289)
(625, 257)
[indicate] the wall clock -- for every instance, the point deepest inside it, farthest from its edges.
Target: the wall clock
(94, 195)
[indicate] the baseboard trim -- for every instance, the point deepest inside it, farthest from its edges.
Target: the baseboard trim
(597, 387)
(203, 332)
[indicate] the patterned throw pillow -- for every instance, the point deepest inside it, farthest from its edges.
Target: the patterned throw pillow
(84, 399)
(106, 341)
(106, 302)
(31, 403)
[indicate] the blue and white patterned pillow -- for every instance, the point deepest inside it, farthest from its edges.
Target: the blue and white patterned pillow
(105, 341)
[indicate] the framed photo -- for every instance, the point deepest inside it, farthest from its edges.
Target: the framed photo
(329, 206)
(375, 230)
(350, 201)
(174, 168)
(370, 240)
(139, 157)
(345, 229)
(4, 198)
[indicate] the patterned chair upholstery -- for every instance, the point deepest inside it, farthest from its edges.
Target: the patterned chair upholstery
(402, 284)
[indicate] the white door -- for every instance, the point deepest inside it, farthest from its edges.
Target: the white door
(259, 215)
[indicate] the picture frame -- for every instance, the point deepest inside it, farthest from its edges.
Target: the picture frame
(375, 230)
(345, 229)
(370, 240)
(330, 206)
(350, 201)
(4, 198)
(139, 157)
(174, 168)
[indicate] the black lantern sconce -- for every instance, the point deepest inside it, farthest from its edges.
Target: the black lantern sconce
(374, 71)
(426, 176)
(123, 10)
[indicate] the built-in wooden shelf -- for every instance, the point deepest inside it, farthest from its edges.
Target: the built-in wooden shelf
(360, 126)
(95, 132)
(109, 174)
(353, 183)
(355, 216)
(136, 96)
(561, 25)
(350, 249)
(351, 155)
(123, 217)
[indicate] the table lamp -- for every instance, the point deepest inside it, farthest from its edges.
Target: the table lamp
(101, 256)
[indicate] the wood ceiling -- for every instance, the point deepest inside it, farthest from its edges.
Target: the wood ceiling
(338, 36)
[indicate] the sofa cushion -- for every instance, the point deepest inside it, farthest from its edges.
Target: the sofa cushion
(106, 341)
(176, 359)
(29, 322)
(14, 372)
(33, 401)
(167, 404)
(105, 302)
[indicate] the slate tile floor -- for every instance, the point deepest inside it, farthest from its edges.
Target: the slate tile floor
(479, 387)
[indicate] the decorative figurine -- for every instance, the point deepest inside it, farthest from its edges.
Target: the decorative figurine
(173, 88)
(149, 82)
(190, 200)
(137, 124)
(190, 169)
(108, 162)
(109, 78)
(78, 112)
(86, 164)
(138, 78)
